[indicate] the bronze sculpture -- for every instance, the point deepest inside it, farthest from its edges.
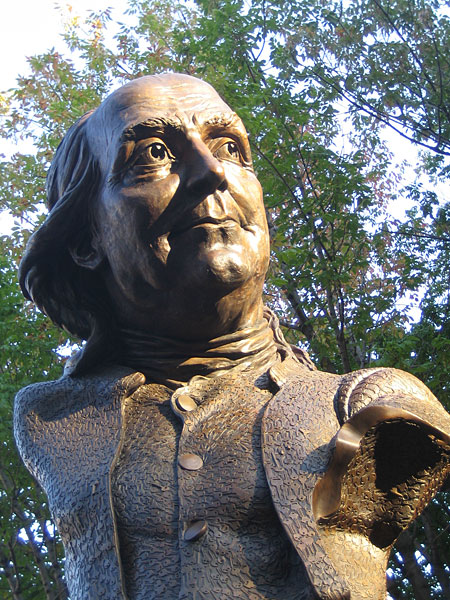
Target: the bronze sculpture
(189, 451)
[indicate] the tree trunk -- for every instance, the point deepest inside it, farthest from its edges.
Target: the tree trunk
(411, 569)
(436, 559)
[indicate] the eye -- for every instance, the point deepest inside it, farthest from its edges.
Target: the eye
(229, 151)
(155, 154)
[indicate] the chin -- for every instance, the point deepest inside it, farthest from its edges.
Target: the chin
(228, 268)
(219, 270)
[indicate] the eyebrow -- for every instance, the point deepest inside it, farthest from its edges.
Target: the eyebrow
(138, 132)
(221, 119)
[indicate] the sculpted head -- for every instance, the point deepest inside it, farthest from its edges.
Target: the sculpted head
(156, 217)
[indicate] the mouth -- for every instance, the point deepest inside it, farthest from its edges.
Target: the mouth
(208, 222)
(213, 221)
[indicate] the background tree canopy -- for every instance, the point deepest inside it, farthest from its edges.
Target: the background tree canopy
(318, 83)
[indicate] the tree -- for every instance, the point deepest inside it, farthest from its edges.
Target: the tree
(314, 84)
(30, 554)
(423, 350)
(389, 60)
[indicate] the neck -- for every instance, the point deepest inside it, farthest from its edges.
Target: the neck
(174, 362)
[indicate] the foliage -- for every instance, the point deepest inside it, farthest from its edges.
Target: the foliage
(315, 82)
(30, 554)
(388, 59)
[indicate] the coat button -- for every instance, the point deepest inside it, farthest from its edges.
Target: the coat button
(190, 462)
(186, 403)
(195, 531)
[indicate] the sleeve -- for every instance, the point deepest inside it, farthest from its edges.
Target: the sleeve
(350, 462)
(391, 455)
(32, 446)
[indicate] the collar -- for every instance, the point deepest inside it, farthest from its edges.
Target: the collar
(174, 363)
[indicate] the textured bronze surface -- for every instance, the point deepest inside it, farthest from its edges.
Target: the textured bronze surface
(217, 463)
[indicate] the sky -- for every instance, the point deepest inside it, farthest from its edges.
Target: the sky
(30, 27)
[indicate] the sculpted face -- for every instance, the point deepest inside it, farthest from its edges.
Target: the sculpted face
(180, 221)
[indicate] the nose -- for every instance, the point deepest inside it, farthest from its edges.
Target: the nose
(205, 173)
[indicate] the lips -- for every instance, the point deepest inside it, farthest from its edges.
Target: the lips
(204, 222)
(216, 210)
(213, 221)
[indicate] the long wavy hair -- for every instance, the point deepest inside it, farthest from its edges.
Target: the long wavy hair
(71, 296)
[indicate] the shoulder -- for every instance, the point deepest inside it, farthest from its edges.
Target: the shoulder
(49, 398)
(300, 385)
(303, 408)
(43, 410)
(308, 396)
(387, 387)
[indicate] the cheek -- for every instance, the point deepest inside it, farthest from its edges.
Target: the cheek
(125, 219)
(144, 202)
(247, 192)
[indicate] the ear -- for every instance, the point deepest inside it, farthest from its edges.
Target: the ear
(87, 253)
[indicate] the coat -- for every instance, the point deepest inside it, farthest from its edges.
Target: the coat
(327, 444)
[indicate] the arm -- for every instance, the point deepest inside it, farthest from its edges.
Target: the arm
(391, 456)
(337, 452)
(391, 419)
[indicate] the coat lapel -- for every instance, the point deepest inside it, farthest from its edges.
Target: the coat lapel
(298, 424)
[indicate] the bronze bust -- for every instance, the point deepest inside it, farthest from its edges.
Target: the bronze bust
(189, 452)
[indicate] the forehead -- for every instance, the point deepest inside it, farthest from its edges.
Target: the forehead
(171, 96)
